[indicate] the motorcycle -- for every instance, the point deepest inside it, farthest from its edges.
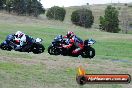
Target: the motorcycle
(56, 48)
(10, 43)
(88, 51)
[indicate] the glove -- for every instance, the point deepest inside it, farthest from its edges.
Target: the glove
(64, 46)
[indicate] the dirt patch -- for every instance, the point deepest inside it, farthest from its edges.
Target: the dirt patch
(64, 62)
(18, 60)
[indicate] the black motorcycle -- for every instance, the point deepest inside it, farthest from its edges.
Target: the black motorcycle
(56, 48)
(10, 43)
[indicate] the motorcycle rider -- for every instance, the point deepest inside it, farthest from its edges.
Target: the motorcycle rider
(24, 40)
(73, 40)
(19, 39)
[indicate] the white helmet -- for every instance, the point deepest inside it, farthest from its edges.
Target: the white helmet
(19, 34)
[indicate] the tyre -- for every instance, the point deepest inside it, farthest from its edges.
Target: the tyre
(53, 50)
(89, 53)
(5, 47)
(38, 48)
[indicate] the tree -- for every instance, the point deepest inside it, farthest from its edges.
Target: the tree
(1, 4)
(19, 6)
(23, 7)
(9, 5)
(56, 13)
(110, 21)
(36, 8)
(82, 17)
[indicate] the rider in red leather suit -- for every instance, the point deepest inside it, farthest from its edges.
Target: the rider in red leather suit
(73, 40)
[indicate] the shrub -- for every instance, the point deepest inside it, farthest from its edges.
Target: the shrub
(110, 21)
(82, 17)
(130, 24)
(56, 13)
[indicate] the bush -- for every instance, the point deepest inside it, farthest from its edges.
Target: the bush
(82, 17)
(56, 13)
(119, 8)
(130, 24)
(125, 4)
(110, 21)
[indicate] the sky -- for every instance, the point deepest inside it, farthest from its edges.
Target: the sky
(66, 3)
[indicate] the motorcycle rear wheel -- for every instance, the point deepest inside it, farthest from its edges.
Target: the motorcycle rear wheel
(37, 49)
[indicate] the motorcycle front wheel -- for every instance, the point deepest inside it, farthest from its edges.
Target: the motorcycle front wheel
(53, 50)
(5, 47)
(89, 53)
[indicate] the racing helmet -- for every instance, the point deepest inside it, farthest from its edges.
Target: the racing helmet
(19, 34)
(70, 34)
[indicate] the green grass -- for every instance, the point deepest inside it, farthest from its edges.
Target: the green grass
(26, 70)
(107, 44)
(19, 76)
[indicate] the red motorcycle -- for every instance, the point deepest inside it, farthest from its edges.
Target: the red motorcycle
(56, 48)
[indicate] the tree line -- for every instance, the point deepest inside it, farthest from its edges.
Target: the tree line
(84, 18)
(81, 17)
(22, 7)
